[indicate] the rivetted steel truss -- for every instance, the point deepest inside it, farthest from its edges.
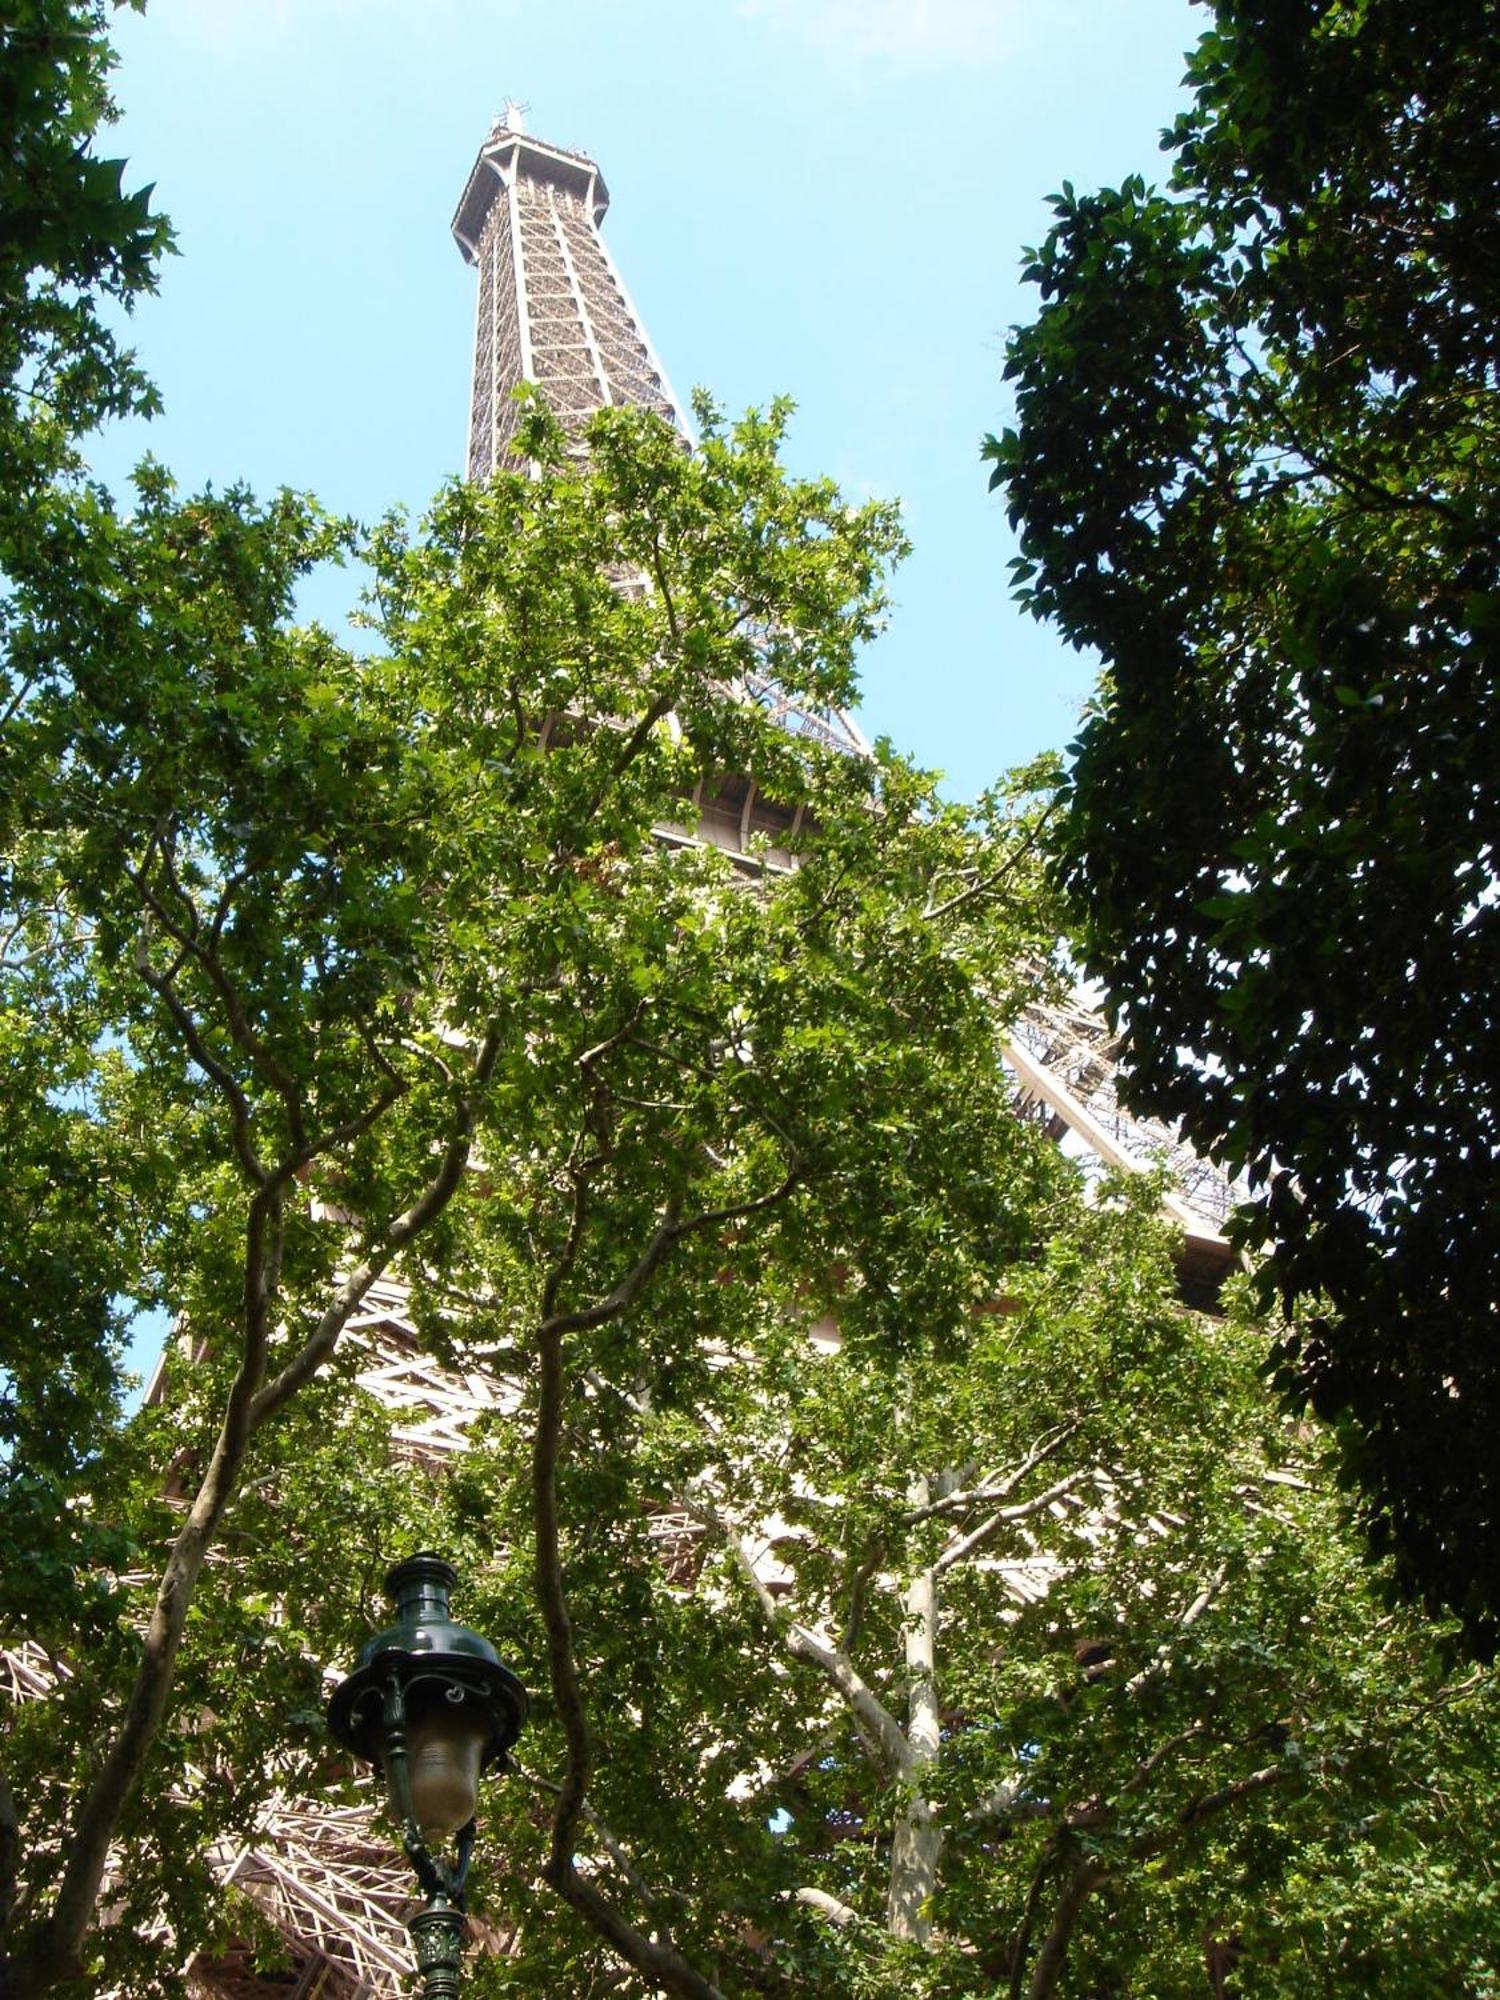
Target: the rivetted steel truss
(553, 311)
(552, 308)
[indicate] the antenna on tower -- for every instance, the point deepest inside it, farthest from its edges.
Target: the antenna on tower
(512, 116)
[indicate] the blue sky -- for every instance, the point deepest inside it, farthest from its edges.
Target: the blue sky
(826, 198)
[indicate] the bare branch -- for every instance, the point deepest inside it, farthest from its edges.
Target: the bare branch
(825, 1905)
(660, 1962)
(985, 885)
(1003, 1517)
(1081, 1884)
(606, 1840)
(216, 1072)
(671, 1232)
(1208, 1806)
(406, 1227)
(859, 1585)
(996, 1486)
(1161, 1659)
(805, 1645)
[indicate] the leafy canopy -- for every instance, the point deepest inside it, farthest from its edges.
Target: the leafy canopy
(321, 964)
(1012, 1646)
(1254, 468)
(71, 237)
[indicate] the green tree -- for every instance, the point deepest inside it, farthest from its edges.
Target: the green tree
(1254, 468)
(1009, 1644)
(319, 964)
(71, 237)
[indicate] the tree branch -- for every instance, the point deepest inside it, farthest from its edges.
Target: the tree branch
(1092, 1871)
(406, 1227)
(217, 1073)
(958, 1551)
(984, 884)
(859, 1585)
(1021, 1942)
(670, 1233)
(662, 1965)
(659, 1962)
(53, 1949)
(1081, 1884)
(1161, 1660)
(996, 1486)
(804, 1645)
(272, 1072)
(825, 1905)
(1207, 1807)
(10, 1860)
(607, 1841)
(1149, 1765)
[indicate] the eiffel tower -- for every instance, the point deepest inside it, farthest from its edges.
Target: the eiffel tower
(552, 310)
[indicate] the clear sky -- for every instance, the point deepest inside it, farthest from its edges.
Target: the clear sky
(826, 198)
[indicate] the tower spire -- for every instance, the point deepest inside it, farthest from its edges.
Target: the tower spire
(552, 308)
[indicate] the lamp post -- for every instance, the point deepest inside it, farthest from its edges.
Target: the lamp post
(431, 1704)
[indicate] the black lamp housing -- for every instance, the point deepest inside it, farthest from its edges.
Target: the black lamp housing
(424, 1678)
(431, 1658)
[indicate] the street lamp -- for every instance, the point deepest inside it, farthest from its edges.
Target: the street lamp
(430, 1703)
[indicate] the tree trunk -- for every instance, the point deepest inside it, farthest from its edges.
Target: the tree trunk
(917, 1847)
(1053, 1955)
(915, 1853)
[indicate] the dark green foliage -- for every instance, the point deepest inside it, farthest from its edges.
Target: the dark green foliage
(316, 963)
(1201, 1725)
(1255, 469)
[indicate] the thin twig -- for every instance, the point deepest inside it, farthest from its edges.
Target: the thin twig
(986, 884)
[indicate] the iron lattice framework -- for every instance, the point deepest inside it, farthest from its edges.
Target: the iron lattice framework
(1066, 1058)
(328, 1880)
(553, 310)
